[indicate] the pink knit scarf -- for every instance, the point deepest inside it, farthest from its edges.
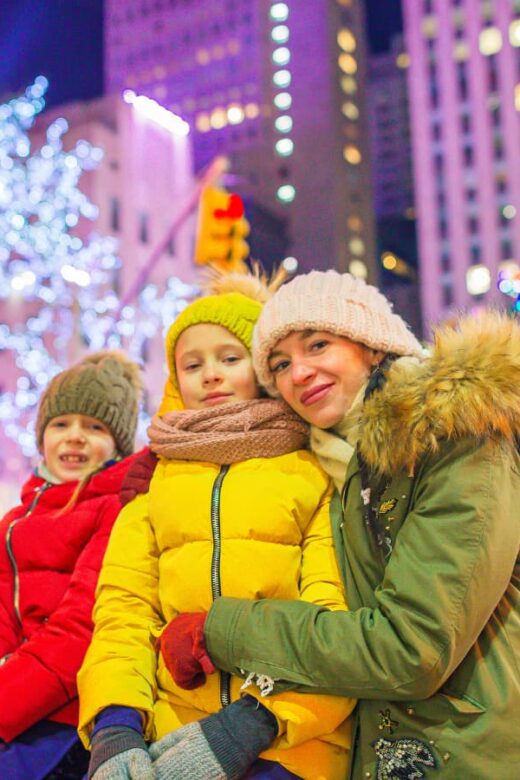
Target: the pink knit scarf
(262, 428)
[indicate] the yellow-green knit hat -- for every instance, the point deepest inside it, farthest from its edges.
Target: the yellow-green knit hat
(236, 306)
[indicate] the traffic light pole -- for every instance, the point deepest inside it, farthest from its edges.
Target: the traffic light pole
(210, 176)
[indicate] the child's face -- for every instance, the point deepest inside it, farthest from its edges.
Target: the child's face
(74, 445)
(213, 368)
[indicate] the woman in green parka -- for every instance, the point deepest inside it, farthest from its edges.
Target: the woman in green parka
(423, 448)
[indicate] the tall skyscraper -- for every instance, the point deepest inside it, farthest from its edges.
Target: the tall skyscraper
(276, 86)
(389, 123)
(464, 82)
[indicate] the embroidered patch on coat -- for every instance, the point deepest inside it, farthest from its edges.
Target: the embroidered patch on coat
(400, 759)
(387, 506)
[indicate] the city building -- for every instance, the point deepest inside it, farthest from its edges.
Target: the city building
(142, 186)
(464, 88)
(276, 86)
(392, 182)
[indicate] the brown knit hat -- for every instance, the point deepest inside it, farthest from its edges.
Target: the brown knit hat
(332, 302)
(105, 385)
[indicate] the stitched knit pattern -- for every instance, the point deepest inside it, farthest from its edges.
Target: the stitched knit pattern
(262, 428)
(332, 302)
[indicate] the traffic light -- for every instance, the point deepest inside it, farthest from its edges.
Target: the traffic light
(222, 229)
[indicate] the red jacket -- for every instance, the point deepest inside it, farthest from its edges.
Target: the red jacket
(49, 566)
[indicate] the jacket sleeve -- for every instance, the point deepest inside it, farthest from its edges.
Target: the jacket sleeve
(120, 665)
(452, 562)
(9, 631)
(300, 717)
(40, 675)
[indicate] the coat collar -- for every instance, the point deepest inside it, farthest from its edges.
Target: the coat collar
(469, 385)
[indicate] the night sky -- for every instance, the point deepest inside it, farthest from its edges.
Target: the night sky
(62, 40)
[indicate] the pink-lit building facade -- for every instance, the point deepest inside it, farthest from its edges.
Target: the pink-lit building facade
(464, 85)
(276, 86)
(141, 185)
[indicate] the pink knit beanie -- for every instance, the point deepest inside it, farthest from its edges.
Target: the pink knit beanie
(333, 302)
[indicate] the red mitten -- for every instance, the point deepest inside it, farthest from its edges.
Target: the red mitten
(138, 477)
(184, 650)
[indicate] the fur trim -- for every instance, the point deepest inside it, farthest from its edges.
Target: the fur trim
(254, 283)
(469, 385)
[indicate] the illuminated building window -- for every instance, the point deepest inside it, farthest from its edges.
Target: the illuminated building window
(506, 249)
(490, 41)
(282, 78)
(350, 110)
(517, 97)
(279, 12)
(358, 269)
(445, 262)
(283, 124)
(429, 27)
(286, 193)
(284, 147)
(283, 101)
(475, 254)
(346, 40)
(468, 156)
(349, 85)
(218, 119)
(202, 123)
(478, 279)
(235, 114)
(514, 33)
(473, 225)
(251, 110)
(461, 51)
(280, 33)
(352, 154)
(281, 56)
(354, 223)
(202, 56)
(347, 63)
(356, 246)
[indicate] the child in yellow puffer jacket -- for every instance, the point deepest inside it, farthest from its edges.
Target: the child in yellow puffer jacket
(236, 506)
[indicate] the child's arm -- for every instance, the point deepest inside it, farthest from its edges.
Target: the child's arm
(39, 676)
(120, 665)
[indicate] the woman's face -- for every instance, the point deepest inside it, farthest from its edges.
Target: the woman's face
(319, 374)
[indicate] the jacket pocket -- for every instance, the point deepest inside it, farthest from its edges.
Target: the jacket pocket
(462, 705)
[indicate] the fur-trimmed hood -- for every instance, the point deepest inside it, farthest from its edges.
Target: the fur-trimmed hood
(469, 385)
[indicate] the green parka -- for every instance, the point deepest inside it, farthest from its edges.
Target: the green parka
(432, 644)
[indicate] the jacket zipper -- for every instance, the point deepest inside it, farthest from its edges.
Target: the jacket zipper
(216, 589)
(10, 553)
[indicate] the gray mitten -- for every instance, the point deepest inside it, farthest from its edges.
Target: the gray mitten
(185, 754)
(133, 764)
(220, 747)
(120, 753)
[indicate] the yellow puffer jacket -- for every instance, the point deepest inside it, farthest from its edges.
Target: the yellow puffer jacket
(256, 529)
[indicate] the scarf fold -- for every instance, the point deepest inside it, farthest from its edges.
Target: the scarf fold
(334, 447)
(261, 428)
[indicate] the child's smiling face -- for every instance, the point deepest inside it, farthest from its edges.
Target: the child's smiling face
(213, 367)
(74, 445)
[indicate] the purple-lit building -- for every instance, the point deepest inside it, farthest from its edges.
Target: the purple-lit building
(464, 82)
(389, 124)
(390, 143)
(276, 86)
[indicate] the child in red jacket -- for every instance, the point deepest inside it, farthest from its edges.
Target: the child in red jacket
(51, 550)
